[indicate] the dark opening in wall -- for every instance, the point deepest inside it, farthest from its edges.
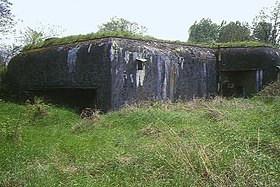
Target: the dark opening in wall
(241, 83)
(76, 98)
(139, 65)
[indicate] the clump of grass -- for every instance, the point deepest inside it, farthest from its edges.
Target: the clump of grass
(10, 182)
(150, 131)
(190, 156)
(90, 114)
(83, 126)
(89, 119)
(272, 90)
(12, 131)
(37, 108)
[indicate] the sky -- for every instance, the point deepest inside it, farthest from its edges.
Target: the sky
(164, 19)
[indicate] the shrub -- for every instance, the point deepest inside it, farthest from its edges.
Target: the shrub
(37, 109)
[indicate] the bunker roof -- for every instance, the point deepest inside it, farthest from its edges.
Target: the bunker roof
(75, 39)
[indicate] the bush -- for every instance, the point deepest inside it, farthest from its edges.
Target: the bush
(37, 109)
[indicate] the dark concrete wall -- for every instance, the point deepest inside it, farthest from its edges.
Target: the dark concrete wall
(170, 71)
(249, 68)
(248, 58)
(110, 68)
(83, 65)
(239, 83)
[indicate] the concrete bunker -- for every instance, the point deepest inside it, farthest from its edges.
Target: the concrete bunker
(244, 71)
(110, 72)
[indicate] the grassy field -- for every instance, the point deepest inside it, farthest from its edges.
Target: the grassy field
(200, 143)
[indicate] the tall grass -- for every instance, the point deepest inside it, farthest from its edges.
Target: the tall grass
(271, 91)
(199, 143)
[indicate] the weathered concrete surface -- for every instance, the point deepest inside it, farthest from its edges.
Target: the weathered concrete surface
(244, 71)
(170, 71)
(249, 58)
(118, 71)
(111, 67)
(83, 65)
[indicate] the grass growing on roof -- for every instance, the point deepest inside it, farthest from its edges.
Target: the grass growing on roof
(90, 36)
(104, 34)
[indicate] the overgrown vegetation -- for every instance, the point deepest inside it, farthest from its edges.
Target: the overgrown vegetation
(199, 143)
(272, 90)
(90, 36)
(99, 35)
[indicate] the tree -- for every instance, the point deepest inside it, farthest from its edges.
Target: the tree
(204, 31)
(268, 23)
(7, 52)
(235, 31)
(6, 25)
(36, 36)
(262, 31)
(122, 25)
(6, 17)
(32, 37)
